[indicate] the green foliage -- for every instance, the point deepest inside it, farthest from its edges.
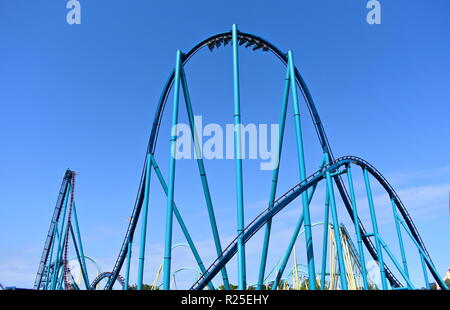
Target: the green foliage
(145, 287)
(304, 284)
(232, 287)
(267, 287)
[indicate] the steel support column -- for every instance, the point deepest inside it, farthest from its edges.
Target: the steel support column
(357, 228)
(143, 240)
(334, 216)
(203, 178)
(273, 188)
(301, 163)
(375, 229)
(238, 161)
(181, 222)
(399, 235)
(171, 185)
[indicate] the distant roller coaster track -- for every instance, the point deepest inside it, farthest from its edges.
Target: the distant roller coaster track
(105, 275)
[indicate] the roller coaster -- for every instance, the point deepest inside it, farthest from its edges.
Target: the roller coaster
(347, 261)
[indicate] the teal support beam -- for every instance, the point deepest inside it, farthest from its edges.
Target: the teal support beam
(59, 272)
(375, 229)
(80, 261)
(171, 185)
(334, 216)
(399, 236)
(326, 221)
(60, 280)
(238, 163)
(288, 252)
(424, 255)
(61, 240)
(127, 268)
(301, 163)
(399, 267)
(273, 188)
(203, 178)
(291, 244)
(325, 241)
(80, 245)
(181, 222)
(425, 273)
(49, 262)
(357, 228)
(143, 240)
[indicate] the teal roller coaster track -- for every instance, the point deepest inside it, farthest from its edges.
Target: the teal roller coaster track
(333, 174)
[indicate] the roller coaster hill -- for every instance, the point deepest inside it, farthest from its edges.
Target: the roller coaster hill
(336, 256)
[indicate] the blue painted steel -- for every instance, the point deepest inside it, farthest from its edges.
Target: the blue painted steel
(204, 180)
(59, 272)
(277, 265)
(375, 229)
(80, 244)
(273, 188)
(59, 249)
(180, 221)
(238, 161)
(399, 236)
(424, 270)
(106, 275)
(81, 261)
(288, 252)
(357, 228)
(143, 240)
(127, 268)
(301, 163)
(291, 244)
(337, 233)
(217, 40)
(171, 187)
(399, 267)
(428, 261)
(50, 240)
(262, 219)
(49, 263)
(288, 197)
(325, 241)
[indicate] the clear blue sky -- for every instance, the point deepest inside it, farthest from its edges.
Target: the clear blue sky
(83, 96)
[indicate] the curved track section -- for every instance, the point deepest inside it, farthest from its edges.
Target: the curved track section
(287, 198)
(68, 279)
(75, 260)
(106, 275)
(257, 43)
(54, 271)
(51, 231)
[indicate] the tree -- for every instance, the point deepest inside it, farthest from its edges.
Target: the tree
(232, 287)
(145, 287)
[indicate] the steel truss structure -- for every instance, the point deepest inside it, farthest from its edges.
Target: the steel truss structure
(54, 271)
(335, 174)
